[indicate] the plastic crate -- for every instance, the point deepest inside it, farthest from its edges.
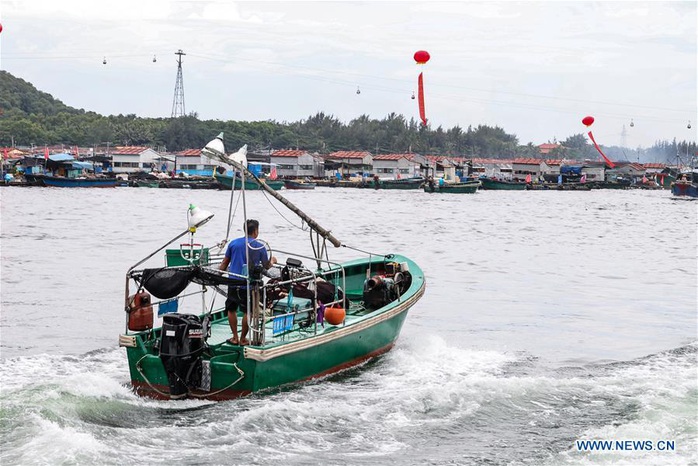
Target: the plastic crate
(175, 257)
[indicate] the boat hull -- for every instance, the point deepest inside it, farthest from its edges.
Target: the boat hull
(684, 189)
(455, 188)
(61, 182)
(490, 184)
(291, 184)
(292, 365)
(226, 182)
(406, 183)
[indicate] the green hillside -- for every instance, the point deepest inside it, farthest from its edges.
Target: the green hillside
(19, 96)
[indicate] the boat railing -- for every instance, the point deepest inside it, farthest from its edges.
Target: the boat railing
(270, 314)
(284, 321)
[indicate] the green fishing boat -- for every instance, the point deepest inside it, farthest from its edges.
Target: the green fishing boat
(227, 182)
(305, 321)
(465, 187)
(403, 183)
(495, 184)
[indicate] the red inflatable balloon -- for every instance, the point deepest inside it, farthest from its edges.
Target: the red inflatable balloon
(0, 27)
(421, 57)
(588, 120)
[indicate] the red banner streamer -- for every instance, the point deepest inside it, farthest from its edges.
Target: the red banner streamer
(422, 114)
(606, 159)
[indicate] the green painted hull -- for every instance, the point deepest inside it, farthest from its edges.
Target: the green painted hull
(226, 182)
(502, 185)
(146, 183)
(405, 183)
(300, 356)
(456, 188)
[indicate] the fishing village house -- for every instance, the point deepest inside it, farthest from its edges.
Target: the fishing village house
(522, 167)
(551, 168)
(192, 162)
(495, 168)
(629, 170)
(659, 173)
(594, 171)
(653, 168)
(130, 159)
(397, 166)
(297, 163)
(346, 163)
(441, 167)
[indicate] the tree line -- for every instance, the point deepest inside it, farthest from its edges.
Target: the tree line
(31, 117)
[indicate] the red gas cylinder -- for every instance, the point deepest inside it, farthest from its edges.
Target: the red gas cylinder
(140, 312)
(335, 315)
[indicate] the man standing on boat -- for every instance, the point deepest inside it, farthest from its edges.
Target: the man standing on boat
(235, 261)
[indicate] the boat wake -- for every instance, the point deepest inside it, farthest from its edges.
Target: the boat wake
(480, 405)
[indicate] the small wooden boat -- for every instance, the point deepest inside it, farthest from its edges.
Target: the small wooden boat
(464, 187)
(299, 184)
(306, 322)
(686, 184)
(81, 182)
(495, 184)
(145, 183)
(226, 182)
(559, 186)
(186, 183)
(403, 183)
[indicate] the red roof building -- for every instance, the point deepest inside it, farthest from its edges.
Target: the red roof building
(295, 153)
(547, 148)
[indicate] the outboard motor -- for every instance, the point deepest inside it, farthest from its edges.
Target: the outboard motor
(182, 342)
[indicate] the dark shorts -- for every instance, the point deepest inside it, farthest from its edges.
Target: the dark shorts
(237, 297)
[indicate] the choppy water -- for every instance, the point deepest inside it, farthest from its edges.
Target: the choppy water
(549, 317)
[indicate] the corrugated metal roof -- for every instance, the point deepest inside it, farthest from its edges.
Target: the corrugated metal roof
(288, 153)
(554, 162)
(407, 156)
(655, 165)
(348, 154)
(129, 150)
(484, 161)
(527, 161)
(188, 153)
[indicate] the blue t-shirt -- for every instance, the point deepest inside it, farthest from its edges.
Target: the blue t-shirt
(236, 254)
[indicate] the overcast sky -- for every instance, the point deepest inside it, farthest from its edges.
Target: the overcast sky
(534, 69)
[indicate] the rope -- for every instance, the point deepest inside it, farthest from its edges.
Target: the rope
(167, 395)
(387, 256)
(140, 371)
(266, 196)
(242, 376)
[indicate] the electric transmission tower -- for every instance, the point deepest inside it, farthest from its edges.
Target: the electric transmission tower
(178, 101)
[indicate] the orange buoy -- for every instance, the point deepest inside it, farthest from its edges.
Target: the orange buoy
(335, 315)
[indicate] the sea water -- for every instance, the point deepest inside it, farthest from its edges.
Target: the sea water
(551, 320)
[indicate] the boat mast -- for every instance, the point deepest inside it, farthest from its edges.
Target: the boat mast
(212, 150)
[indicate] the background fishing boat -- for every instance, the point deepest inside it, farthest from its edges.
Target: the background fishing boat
(686, 185)
(226, 182)
(493, 183)
(145, 183)
(465, 187)
(80, 182)
(299, 184)
(402, 183)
